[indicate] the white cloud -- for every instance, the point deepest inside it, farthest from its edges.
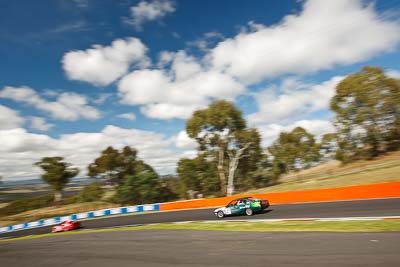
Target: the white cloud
(101, 98)
(40, 124)
(165, 111)
(127, 116)
(321, 36)
(18, 140)
(146, 11)
(175, 92)
(393, 73)
(324, 34)
(270, 132)
(292, 100)
(101, 65)
(207, 41)
(143, 86)
(182, 140)
(68, 106)
(20, 149)
(281, 108)
(81, 3)
(9, 118)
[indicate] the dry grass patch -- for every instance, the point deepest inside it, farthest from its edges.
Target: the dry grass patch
(333, 174)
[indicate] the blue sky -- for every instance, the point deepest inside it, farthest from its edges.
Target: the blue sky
(79, 75)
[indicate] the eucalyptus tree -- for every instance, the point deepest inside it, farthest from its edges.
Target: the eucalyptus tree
(367, 107)
(221, 133)
(328, 146)
(293, 151)
(57, 174)
(113, 165)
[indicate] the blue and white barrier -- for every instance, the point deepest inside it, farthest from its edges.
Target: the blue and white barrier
(80, 216)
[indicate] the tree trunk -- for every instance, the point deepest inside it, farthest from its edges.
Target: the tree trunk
(233, 164)
(221, 171)
(231, 186)
(57, 196)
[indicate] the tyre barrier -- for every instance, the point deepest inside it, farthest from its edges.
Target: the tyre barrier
(80, 216)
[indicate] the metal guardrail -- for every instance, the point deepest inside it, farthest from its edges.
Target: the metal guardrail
(80, 216)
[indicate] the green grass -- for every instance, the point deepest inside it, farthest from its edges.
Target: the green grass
(348, 226)
(293, 226)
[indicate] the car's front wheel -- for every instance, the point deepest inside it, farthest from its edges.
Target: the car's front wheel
(220, 214)
(249, 212)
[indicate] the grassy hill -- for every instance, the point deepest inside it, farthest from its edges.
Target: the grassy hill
(334, 174)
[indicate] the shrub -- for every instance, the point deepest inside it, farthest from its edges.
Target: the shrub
(70, 200)
(26, 204)
(91, 192)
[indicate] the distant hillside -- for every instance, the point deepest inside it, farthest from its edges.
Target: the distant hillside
(38, 181)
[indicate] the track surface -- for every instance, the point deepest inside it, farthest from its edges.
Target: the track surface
(205, 248)
(377, 207)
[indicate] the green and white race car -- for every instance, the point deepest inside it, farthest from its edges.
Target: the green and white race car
(242, 206)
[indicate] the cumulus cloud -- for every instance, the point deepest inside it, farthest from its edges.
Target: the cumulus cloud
(9, 118)
(210, 39)
(101, 98)
(322, 35)
(284, 107)
(292, 99)
(127, 116)
(146, 11)
(182, 140)
(20, 149)
(270, 132)
(393, 74)
(40, 124)
(101, 65)
(183, 86)
(68, 106)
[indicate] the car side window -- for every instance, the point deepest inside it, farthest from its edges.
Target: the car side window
(232, 203)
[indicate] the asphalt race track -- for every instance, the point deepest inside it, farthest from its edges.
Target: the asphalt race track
(377, 207)
(153, 248)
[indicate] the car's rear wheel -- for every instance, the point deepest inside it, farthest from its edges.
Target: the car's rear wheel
(220, 214)
(249, 212)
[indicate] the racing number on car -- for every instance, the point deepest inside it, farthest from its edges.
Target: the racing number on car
(227, 211)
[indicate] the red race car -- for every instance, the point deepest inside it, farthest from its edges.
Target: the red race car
(66, 226)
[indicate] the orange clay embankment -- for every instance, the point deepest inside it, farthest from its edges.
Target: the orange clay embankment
(383, 190)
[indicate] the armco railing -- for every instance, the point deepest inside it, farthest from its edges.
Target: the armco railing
(80, 216)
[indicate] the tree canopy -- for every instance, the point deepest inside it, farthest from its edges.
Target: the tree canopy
(198, 175)
(294, 150)
(221, 133)
(142, 187)
(114, 165)
(367, 108)
(56, 173)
